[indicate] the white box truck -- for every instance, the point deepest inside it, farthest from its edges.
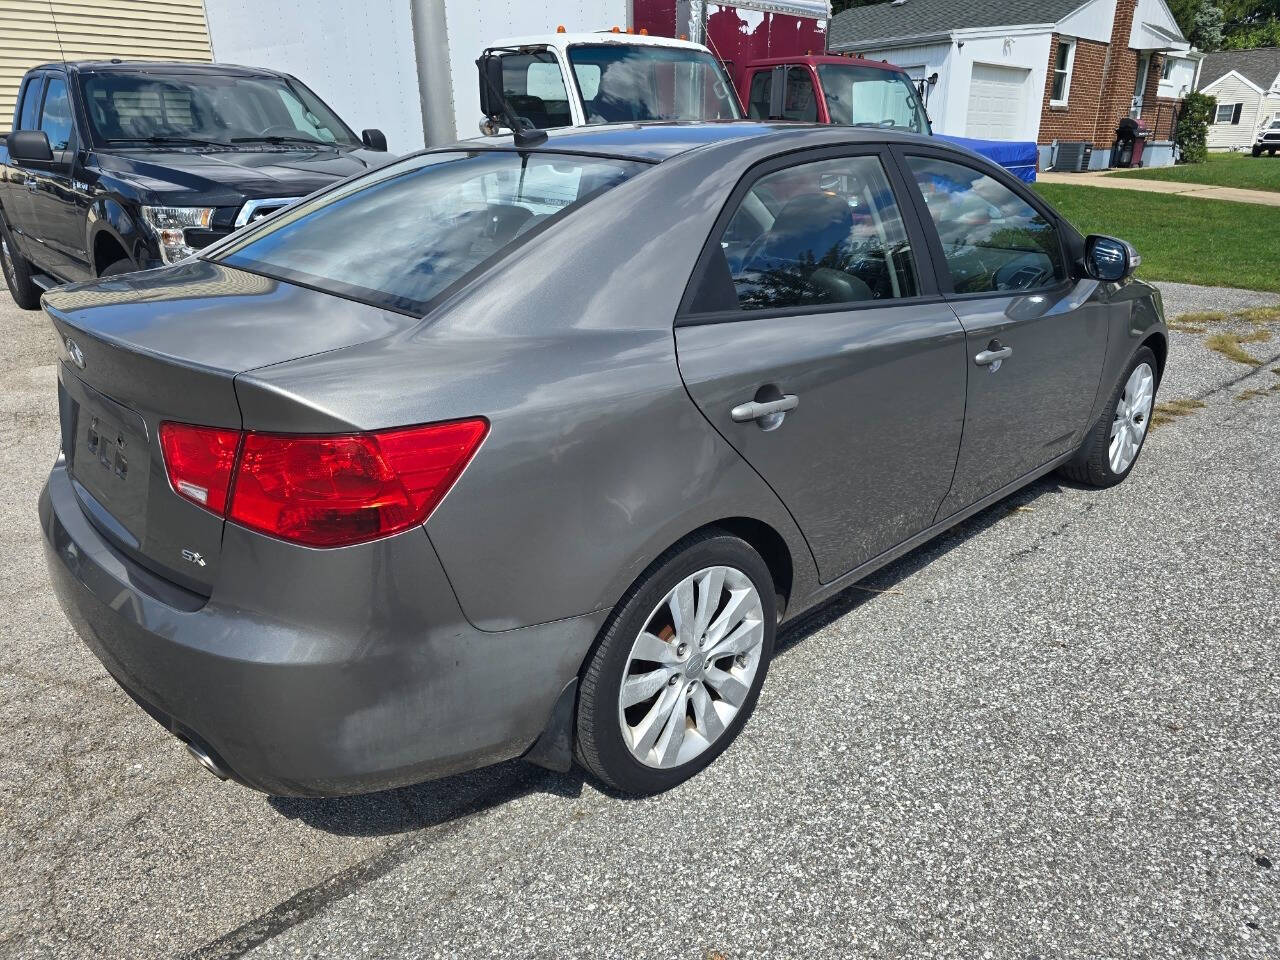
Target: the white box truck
(407, 67)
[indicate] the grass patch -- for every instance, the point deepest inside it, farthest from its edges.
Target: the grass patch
(1229, 345)
(1197, 322)
(1260, 315)
(1182, 239)
(1222, 170)
(1250, 394)
(1171, 410)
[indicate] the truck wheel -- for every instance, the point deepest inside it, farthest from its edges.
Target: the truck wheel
(17, 272)
(115, 269)
(1257, 151)
(1271, 153)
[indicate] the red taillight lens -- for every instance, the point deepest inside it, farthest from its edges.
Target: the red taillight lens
(199, 461)
(327, 491)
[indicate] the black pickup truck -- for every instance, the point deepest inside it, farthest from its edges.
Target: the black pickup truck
(116, 166)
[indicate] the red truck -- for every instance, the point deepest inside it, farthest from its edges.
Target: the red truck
(775, 53)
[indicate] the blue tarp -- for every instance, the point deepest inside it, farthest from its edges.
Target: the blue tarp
(1018, 158)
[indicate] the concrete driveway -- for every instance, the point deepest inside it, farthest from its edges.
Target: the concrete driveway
(1054, 732)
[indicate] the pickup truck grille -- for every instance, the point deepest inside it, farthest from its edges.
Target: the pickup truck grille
(255, 210)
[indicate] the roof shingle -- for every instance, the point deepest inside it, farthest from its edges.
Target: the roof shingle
(1261, 66)
(913, 18)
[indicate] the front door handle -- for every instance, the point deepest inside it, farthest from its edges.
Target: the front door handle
(988, 357)
(754, 410)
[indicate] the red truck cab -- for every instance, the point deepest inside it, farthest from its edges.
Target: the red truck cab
(831, 89)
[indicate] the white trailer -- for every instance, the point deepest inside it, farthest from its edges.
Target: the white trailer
(406, 67)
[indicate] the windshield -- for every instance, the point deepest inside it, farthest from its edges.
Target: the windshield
(871, 97)
(203, 108)
(399, 236)
(624, 84)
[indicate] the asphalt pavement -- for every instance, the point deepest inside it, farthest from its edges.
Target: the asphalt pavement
(1050, 733)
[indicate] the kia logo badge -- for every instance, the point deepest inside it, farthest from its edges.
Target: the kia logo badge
(73, 351)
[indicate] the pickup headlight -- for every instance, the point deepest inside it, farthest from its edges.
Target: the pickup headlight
(170, 225)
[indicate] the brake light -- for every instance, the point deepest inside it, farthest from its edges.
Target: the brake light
(335, 490)
(200, 461)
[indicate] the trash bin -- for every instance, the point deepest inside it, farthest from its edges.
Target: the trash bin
(1131, 139)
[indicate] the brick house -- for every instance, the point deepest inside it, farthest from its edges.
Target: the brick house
(1048, 71)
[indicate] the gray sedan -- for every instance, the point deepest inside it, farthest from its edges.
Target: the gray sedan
(528, 448)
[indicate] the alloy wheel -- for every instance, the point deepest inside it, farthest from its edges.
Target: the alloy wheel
(692, 667)
(1132, 415)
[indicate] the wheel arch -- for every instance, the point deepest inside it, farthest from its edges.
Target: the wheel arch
(1159, 345)
(111, 224)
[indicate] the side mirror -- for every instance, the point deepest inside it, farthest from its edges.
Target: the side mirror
(30, 145)
(1109, 259)
(490, 66)
(374, 139)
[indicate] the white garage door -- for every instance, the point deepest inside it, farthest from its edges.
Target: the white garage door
(997, 102)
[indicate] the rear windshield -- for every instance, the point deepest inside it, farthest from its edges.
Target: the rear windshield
(397, 237)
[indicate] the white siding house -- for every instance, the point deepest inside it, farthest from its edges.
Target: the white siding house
(1246, 84)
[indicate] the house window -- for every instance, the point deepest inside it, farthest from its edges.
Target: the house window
(1228, 113)
(1062, 64)
(1167, 71)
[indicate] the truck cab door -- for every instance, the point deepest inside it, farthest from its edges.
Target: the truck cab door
(59, 201)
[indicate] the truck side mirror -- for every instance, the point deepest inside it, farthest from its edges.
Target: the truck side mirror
(490, 65)
(374, 139)
(30, 145)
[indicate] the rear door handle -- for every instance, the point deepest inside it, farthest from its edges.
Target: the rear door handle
(746, 412)
(987, 357)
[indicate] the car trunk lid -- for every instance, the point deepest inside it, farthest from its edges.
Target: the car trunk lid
(167, 346)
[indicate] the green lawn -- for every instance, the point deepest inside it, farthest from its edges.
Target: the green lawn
(1222, 170)
(1184, 239)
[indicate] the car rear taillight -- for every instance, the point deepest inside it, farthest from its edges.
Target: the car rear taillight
(334, 490)
(200, 461)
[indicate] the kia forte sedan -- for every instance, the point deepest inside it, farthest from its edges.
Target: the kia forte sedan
(527, 449)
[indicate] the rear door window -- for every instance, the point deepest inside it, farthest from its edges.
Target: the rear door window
(801, 102)
(824, 232)
(761, 91)
(992, 239)
(55, 118)
(400, 236)
(534, 87)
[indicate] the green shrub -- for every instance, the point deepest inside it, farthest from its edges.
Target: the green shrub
(1192, 133)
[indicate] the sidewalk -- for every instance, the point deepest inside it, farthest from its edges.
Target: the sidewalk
(1104, 178)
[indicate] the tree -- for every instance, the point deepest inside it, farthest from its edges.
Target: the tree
(838, 6)
(1201, 22)
(1192, 132)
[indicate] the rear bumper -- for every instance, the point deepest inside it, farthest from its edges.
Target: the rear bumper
(312, 672)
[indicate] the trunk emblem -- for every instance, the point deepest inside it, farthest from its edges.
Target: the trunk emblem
(193, 556)
(73, 351)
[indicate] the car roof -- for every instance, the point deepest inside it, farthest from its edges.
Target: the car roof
(821, 59)
(161, 67)
(603, 37)
(655, 142)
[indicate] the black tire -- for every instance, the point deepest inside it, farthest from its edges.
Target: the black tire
(1257, 151)
(118, 267)
(600, 746)
(17, 272)
(1092, 464)
(1271, 153)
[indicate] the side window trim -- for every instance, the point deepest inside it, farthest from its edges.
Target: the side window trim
(33, 91)
(922, 256)
(937, 257)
